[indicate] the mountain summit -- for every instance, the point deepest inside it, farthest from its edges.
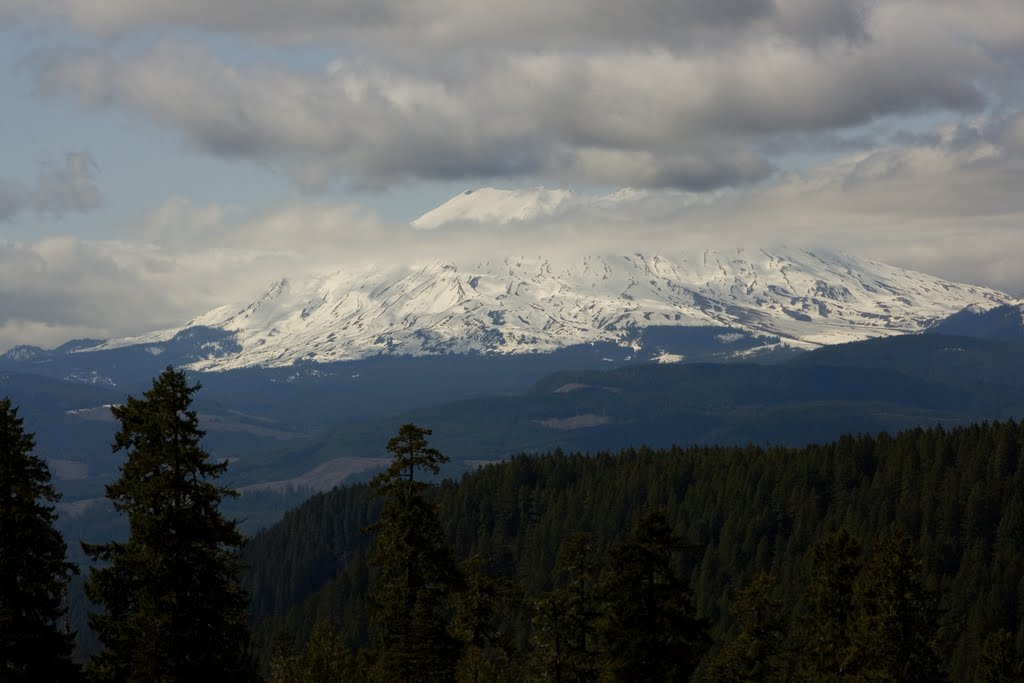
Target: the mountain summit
(533, 304)
(490, 205)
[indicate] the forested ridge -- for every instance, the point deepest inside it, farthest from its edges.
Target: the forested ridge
(741, 513)
(872, 558)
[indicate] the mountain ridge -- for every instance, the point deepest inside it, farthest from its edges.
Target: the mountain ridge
(1001, 323)
(793, 297)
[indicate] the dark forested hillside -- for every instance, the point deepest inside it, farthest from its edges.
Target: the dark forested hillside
(958, 493)
(870, 386)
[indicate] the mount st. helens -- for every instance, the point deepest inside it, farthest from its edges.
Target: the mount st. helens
(511, 354)
(516, 305)
(490, 205)
(743, 300)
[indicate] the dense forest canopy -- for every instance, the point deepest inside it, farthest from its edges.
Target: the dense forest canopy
(740, 512)
(873, 557)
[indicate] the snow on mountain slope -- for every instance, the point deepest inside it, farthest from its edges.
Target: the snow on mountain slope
(490, 205)
(535, 304)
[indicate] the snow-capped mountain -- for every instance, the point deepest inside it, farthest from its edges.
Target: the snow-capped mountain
(491, 205)
(537, 304)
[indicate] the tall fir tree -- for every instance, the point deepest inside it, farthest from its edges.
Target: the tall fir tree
(577, 567)
(998, 661)
(823, 631)
(758, 652)
(649, 629)
(893, 637)
(564, 633)
(416, 577)
(549, 660)
(174, 606)
(325, 659)
(35, 646)
(482, 612)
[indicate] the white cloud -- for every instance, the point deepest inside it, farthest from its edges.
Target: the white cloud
(14, 332)
(715, 97)
(109, 289)
(647, 117)
(947, 205)
(690, 94)
(294, 227)
(177, 221)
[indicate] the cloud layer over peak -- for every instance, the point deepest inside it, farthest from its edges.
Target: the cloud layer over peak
(891, 128)
(651, 94)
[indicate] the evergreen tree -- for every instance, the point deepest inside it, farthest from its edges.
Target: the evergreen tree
(174, 607)
(325, 659)
(519, 511)
(34, 572)
(648, 628)
(577, 567)
(549, 659)
(416, 576)
(823, 632)
(998, 661)
(894, 635)
(757, 652)
(564, 637)
(482, 609)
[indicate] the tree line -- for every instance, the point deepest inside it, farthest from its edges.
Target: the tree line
(871, 558)
(956, 494)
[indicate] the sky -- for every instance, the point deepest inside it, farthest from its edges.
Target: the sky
(162, 158)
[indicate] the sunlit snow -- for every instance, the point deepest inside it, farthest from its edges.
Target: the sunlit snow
(523, 304)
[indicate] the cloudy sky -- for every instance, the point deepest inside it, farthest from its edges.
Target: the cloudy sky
(163, 157)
